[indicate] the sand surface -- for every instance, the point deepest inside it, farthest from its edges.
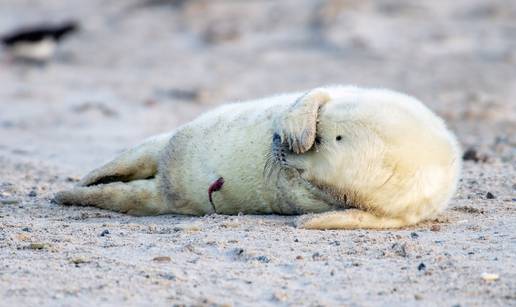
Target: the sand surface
(143, 67)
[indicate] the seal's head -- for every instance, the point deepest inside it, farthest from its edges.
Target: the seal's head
(366, 147)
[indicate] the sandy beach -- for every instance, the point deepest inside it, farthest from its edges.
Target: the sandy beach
(139, 68)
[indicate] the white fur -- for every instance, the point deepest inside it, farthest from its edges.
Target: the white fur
(395, 164)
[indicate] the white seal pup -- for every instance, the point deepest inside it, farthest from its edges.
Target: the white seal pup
(353, 157)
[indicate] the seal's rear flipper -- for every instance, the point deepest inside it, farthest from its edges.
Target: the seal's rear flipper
(136, 163)
(138, 197)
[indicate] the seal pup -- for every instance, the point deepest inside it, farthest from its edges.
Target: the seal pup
(37, 43)
(346, 157)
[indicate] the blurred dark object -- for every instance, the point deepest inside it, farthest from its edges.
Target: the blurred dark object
(37, 43)
(472, 155)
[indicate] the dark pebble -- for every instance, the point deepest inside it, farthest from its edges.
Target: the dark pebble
(414, 235)
(104, 233)
(32, 194)
(26, 229)
(263, 259)
(421, 267)
(470, 155)
(490, 195)
(167, 276)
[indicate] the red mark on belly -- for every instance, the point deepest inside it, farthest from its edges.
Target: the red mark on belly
(214, 187)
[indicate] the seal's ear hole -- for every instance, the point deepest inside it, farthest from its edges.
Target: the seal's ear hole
(339, 137)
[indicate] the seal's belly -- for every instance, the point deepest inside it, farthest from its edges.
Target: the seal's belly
(234, 147)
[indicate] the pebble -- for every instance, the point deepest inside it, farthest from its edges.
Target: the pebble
(27, 229)
(414, 235)
(162, 259)
(104, 233)
(421, 267)
(490, 276)
(9, 201)
(32, 194)
(78, 260)
(490, 195)
(400, 249)
(470, 155)
(435, 227)
(73, 179)
(263, 259)
(37, 245)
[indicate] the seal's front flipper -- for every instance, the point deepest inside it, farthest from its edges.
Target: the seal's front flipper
(136, 163)
(297, 127)
(138, 197)
(350, 219)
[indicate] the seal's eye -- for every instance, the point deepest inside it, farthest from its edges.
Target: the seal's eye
(338, 138)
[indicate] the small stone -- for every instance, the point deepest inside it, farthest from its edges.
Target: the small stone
(418, 297)
(400, 249)
(490, 276)
(27, 229)
(78, 260)
(414, 235)
(316, 256)
(230, 224)
(104, 233)
(167, 276)
(421, 267)
(470, 155)
(37, 245)
(73, 179)
(435, 227)
(299, 257)
(239, 251)
(162, 259)
(263, 259)
(490, 195)
(32, 194)
(9, 201)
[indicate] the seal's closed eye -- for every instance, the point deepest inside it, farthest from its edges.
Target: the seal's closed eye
(339, 137)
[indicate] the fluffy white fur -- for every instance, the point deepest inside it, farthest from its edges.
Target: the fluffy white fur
(357, 158)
